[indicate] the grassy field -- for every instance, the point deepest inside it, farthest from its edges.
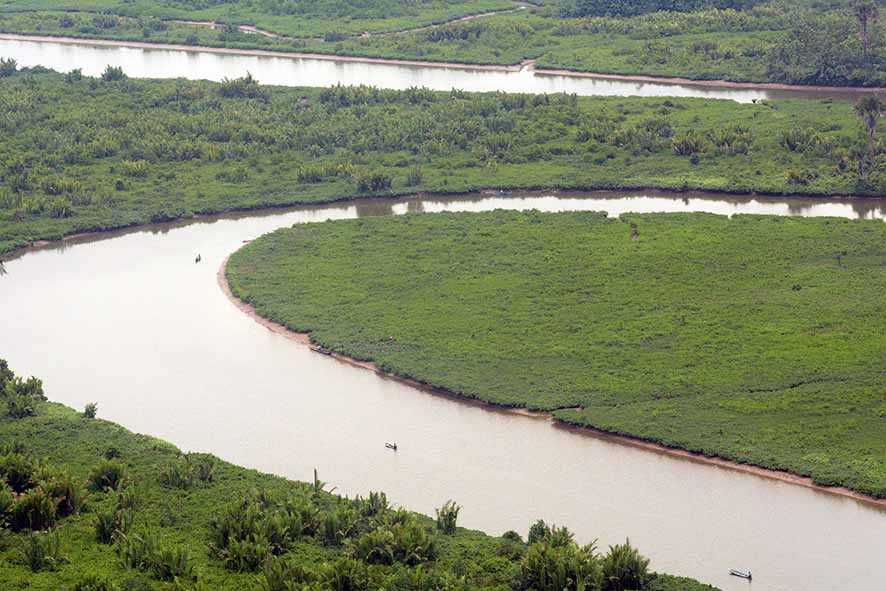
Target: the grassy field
(80, 154)
(790, 42)
(295, 18)
(305, 538)
(758, 339)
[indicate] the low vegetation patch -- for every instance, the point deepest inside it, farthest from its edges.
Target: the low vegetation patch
(81, 153)
(756, 338)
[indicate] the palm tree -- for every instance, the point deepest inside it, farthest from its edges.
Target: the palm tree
(869, 108)
(867, 12)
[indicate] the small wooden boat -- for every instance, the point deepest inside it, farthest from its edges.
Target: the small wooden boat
(740, 573)
(320, 349)
(392, 446)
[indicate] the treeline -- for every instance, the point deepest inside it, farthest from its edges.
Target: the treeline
(580, 8)
(88, 506)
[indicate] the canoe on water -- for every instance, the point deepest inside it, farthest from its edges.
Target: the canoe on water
(740, 573)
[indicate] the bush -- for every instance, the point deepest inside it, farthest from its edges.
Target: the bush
(146, 553)
(6, 502)
(415, 177)
(41, 552)
(688, 144)
(246, 87)
(8, 67)
(112, 525)
(94, 583)
(176, 475)
(107, 475)
(18, 470)
(34, 510)
(90, 410)
(624, 568)
(447, 515)
(75, 75)
(69, 496)
(374, 182)
(113, 74)
(546, 567)
(134, 168)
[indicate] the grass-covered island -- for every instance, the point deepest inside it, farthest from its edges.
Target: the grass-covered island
(81, 154)
(757, 339)
(86, 505)
(825, 42)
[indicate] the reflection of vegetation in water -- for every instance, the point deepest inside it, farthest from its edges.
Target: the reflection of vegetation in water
(754, 338)
(153, 515)
(81, 153)
(835, 43)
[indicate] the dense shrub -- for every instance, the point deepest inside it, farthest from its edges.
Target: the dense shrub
(147, 553)
(113, 74)
(34, 510)
(624, 568)
(107, 475)
(8, 67)
(41, 551)
(447, 515)
(90, 410)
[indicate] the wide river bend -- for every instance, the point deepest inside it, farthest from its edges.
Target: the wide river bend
(128, 320)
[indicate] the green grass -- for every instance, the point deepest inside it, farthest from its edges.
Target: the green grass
(299, 19)
(772, 42)
(758, 339)
(181, 518)
(90, 155)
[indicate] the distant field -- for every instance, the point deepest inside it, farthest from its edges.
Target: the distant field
(294, 18)
(759, 339)
(778, 41)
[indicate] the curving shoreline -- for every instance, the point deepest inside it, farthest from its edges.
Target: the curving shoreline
(588, 431)
(528, 64)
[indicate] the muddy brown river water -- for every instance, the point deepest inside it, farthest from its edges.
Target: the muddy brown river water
(128, 320)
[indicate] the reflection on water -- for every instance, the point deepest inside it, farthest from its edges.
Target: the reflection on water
(149, 335)
(294, 71)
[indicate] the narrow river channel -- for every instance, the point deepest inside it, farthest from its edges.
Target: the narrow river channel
(140, 61)
(128, 320)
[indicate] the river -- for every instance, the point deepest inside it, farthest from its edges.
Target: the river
(128, 320)
(141, 60)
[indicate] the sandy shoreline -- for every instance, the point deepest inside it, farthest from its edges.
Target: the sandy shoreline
(663, 80)
(788, 477)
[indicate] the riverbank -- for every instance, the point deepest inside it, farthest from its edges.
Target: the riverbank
(460, 65)
(623, 439)
(178, 514)
(712, 409)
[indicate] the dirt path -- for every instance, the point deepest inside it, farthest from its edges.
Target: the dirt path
(305, 339)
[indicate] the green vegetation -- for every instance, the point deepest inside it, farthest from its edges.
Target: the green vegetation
(299, 18)
(81, 154)
(758, 339)
(839, 42)
(242, 530)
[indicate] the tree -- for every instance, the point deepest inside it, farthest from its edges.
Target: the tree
(7, 67)
(869, 109)
(867, 12)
